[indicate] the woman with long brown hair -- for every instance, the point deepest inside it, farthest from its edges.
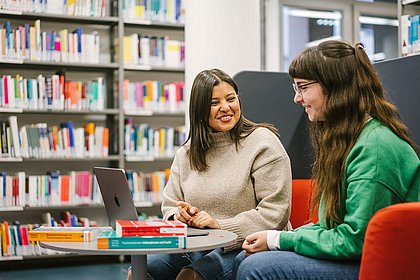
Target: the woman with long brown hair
(231, 174)
(365, 160)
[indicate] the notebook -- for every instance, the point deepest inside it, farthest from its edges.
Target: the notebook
(117, 198)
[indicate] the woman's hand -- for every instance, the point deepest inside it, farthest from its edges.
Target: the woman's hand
(255, 243)
(203, 219)
(185, 212)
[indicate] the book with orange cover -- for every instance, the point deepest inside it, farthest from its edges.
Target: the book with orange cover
(63, 234)
(150, 228)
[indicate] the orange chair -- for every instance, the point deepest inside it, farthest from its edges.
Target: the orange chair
(392, 244)
(300, 214)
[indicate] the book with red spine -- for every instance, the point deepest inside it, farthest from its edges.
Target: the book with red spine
(150, 228)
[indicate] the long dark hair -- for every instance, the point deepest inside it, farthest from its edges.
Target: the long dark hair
(200, 130)
(352, 91)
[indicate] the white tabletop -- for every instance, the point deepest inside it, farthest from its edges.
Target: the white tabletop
(215, 239)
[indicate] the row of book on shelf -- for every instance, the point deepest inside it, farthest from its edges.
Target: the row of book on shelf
(73, 188)
(52, 92)
(25, 42)
(141, 140)
(92, 8)
(410, 38)
(90, 141)
(152, 51)
(153, 96)
(172, 11)
(15, 237)
(56, 141)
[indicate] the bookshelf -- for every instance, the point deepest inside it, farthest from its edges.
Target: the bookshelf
(408, 18)
(105, 72)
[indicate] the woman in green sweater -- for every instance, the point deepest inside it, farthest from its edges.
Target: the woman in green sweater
(365, 160)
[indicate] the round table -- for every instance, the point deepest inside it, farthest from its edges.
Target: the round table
(215, 239)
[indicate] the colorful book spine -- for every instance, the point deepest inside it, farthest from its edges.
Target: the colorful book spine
(111, 240)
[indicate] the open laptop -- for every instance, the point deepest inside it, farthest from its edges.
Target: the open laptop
(117, 198)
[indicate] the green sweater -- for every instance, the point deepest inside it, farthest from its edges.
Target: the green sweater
(381, 169)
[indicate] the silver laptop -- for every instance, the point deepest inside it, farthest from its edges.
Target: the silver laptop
(117, 198)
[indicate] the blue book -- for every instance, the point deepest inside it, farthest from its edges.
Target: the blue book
(108, 239)
(7, 37)
(129, 175)
(79, 32)
(3, 174)
(178, 10)
(27, 47)
(55, 187)
(70, 126)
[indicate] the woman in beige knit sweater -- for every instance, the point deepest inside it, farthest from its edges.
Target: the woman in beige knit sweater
(231, 174)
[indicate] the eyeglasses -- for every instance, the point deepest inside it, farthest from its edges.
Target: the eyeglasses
(300, 88)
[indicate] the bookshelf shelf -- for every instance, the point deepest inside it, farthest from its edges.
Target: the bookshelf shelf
(11, 110)
(11, 159)
(150, 68)
(11, 209)
(61, 18)
(12, 258)
(100, 67)
(154, 24)
(107, 70)
(150, 113)
(408, 18)
(147, 158)
(67, 207)
(81, 159)
(72, 112)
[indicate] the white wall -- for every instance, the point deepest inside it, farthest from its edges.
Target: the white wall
(221, 34)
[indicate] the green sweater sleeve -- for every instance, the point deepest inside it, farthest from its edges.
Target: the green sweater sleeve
(345, 240)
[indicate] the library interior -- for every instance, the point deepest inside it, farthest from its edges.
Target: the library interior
(107, 83)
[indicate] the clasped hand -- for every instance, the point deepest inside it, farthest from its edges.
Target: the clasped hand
(194, 217)
(255, 243)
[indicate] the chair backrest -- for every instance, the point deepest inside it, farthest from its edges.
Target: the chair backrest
(392, 244)
(301, 191)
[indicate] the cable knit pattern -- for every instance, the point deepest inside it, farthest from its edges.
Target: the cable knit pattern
(246, 189)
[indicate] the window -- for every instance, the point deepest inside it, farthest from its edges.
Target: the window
(290, 26)
(306, 27)
(379, 35)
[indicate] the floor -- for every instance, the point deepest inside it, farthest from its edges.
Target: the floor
(92, 270)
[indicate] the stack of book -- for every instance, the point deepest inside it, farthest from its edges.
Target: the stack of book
(144, 234)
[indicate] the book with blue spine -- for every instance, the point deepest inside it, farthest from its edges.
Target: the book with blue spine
(109, 239)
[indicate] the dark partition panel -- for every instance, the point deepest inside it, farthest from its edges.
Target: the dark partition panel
(401, 79)
(268, 97)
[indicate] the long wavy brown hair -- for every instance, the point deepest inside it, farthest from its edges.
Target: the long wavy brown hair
(353, 91)
(200, 130)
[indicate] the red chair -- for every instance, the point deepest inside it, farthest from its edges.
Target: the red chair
(300, 214)
(392, 244)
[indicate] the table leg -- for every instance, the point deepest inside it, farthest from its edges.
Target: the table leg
(139, 267)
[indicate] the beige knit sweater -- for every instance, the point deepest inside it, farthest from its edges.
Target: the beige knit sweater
(246, 190)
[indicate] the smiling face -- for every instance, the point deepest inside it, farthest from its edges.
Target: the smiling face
(225, 109)
(311, 97)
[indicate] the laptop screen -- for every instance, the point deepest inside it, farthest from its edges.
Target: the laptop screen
(116, 194)
(117, 198)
